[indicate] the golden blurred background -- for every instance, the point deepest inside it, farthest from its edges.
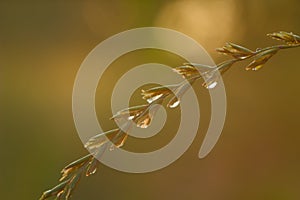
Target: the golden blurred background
(42, 45)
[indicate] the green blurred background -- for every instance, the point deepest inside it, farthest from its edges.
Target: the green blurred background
(42, 45)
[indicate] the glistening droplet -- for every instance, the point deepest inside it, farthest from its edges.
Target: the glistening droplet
(212, 85)
(173, 103)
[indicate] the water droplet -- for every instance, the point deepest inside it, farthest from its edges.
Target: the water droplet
(174, 104)
(212, 85)
(142, 126)
(150, 100)
(112, 147)
(131, 117)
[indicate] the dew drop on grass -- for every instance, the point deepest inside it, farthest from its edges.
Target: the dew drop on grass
(174, 104)
(212, 85)
(154, 98)
(130, 117)
(112, 147)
